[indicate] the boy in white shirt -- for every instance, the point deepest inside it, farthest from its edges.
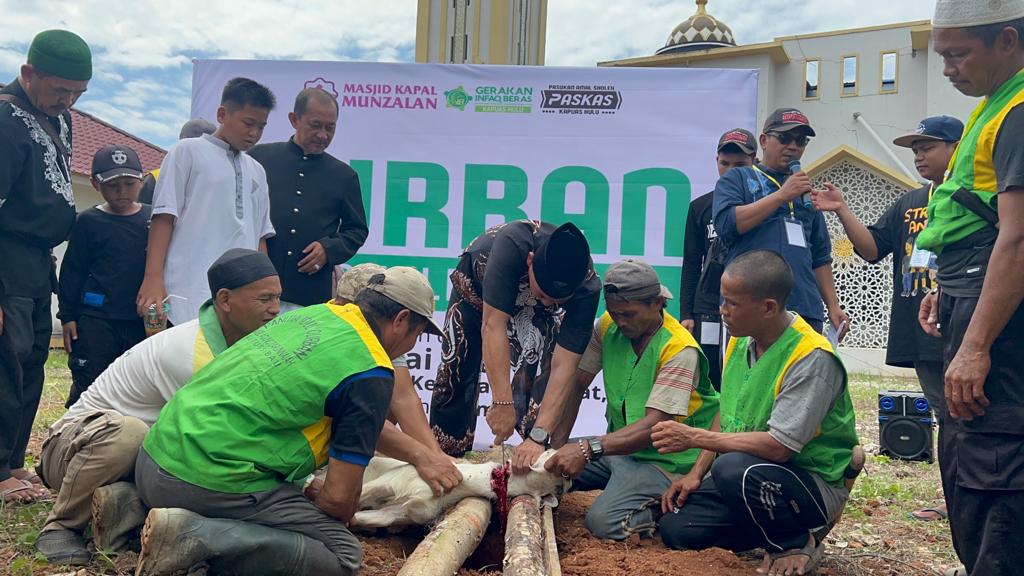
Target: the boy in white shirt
(211, 197)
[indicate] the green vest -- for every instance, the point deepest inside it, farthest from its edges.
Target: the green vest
(971, 168)
(748, 396)
(254, 417)
(628, 381)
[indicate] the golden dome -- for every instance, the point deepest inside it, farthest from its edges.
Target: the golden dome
(698, 32)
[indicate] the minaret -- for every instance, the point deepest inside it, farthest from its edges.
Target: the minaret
(481, 31)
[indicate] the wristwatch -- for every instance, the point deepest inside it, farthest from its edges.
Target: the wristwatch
(540, 436)
(596, 448)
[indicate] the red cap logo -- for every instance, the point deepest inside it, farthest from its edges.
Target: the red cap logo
(794, 117)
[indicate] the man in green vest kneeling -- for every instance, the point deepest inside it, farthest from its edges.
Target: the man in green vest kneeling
(654, 371)
(224, 464)
(787, 432)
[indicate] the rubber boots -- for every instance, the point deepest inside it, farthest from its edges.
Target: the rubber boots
(117, 516)
(174, 540)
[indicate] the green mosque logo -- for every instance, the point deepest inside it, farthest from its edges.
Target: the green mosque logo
(457, 98)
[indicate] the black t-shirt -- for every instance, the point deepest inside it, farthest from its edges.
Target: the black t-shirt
(499, 274)
(895, 233)
(148, 187)
(103, 265)
(357, 408)
(962, 267)
(700, 231)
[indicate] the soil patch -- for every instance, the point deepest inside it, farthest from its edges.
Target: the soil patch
(580, 552)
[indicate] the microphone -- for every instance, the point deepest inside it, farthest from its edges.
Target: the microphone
(794, 167)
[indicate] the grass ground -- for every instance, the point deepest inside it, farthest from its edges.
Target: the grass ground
(874, 537)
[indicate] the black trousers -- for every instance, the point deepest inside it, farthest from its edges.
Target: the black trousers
(747, 502)
(100, 342)
(982, 460)
(713, 352)
(24, 346)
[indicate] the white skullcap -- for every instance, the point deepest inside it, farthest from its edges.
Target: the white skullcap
(966, 13)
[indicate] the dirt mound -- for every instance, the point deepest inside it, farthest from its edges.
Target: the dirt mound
(581, 554)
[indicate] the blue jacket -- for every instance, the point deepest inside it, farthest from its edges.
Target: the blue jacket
(745, 185)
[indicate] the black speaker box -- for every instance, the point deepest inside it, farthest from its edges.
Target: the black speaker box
(905, 426)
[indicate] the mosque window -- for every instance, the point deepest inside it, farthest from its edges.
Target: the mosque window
(890, 66)
(849, 75)
(812, 79)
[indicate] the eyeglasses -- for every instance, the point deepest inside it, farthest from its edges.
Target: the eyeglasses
(785, 138)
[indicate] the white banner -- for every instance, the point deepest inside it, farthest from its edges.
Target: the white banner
(445, 151)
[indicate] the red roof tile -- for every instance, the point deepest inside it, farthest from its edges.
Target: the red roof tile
(91, 134)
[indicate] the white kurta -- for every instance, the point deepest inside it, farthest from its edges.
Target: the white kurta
(219, 199)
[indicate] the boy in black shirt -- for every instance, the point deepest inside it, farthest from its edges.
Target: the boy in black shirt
(102, 270)
(699, 301)
(895, 233)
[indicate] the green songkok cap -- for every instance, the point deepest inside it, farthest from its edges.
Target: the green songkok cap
(61, 53)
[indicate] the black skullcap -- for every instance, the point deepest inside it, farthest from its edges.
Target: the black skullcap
(238, 267)
(561, 261)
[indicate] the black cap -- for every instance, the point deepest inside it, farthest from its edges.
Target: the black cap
(561, 261)
(785, 119)
(238, 267)
(115, 162)
(739, 138)
(939, 128)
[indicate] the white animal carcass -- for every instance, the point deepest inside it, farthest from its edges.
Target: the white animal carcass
(394, 495)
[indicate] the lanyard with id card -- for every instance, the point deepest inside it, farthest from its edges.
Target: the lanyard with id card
(794, 229)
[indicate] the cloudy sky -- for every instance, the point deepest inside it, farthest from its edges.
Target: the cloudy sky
(143, 49)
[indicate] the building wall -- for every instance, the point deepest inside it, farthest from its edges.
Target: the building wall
(921, 91)
(494, 32)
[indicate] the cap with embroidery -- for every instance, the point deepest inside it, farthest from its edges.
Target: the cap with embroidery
(739, 138)
(967, 13)
(942, 128)
(784, 119)
(112, 162)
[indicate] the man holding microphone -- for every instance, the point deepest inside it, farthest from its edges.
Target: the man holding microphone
(767, 207)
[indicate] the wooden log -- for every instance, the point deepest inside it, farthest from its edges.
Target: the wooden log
(554, 567)
(524, 539)
(452, 540)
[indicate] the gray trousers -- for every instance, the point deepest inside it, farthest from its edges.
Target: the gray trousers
(284, 508)
(82, 454)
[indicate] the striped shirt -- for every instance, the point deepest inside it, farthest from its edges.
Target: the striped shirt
(675, 381)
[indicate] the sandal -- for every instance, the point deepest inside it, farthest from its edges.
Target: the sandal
(919, 514)
(30, 477)
(23, 493)
(814, 554)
